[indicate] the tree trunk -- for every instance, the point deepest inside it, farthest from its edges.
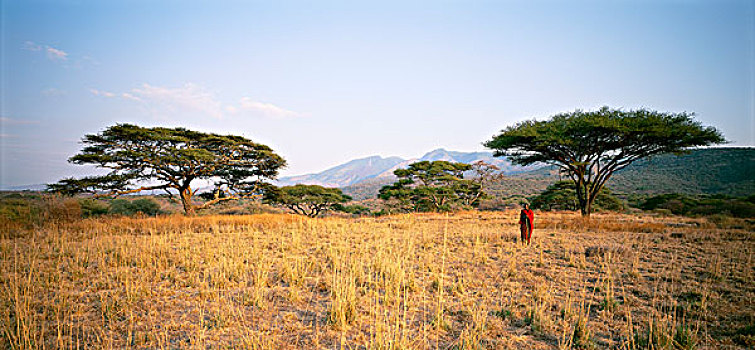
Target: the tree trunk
(584, 209)
(583, 199)
(591, 194)
(186, 195)
(585, 202)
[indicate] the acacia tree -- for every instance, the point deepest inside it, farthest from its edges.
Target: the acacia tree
(142, 159)
(590, 146)
(309, 200)
(432, 186)
(484, 174)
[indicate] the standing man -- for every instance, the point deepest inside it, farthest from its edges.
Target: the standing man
(526, 219)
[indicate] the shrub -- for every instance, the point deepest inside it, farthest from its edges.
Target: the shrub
(581, 338)
(243, 208)
(354, 209)
(498, 204)
(60, 209)
(681, 204)
(562, 195)
(503, 313)
(13, 208)
(24, 211)
(745, 336)
(92, 207)
(666, 336)
(146, 206)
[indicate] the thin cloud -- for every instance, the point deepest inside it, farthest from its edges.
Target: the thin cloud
(56, 54)
(128, 96)
(31, 46)
(164, 101)
(11, 121)
(101, 93)
(108, 94)
(189, 97)
(267, 109)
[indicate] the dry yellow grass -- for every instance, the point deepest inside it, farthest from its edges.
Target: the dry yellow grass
(401, 282)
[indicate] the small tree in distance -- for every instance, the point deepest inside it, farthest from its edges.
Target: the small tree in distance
(591, 146)
(484, 174)
(143, 159)
(309, 200)
(433, 186)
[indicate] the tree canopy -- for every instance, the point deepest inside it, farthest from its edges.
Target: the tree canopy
(142, 159)
(432, 186)
(590, 146)
(309, 200)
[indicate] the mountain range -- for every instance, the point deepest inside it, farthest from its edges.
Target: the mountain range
(372, 169)
(724, 171)
(378, 169)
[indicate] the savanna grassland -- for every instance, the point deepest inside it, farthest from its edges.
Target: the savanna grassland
(278, 281)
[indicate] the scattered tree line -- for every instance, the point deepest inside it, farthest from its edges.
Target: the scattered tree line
(587, 147)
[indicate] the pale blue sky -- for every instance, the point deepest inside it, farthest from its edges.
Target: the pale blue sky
(326, 82)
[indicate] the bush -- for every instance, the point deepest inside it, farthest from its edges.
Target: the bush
(562, 195)
(25, 211)
(91, 207)
(60, 209)
(500, 204)
(666, 336)
(146, 206)
(20, 209)
(681, 204)
(354, 209)
(745, 336)
(242, 208)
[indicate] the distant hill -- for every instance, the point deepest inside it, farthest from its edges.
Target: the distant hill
(35, 187)
(345, 174)
(726, 171)
(376, 169)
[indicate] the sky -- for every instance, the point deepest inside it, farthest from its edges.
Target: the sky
(325, 82)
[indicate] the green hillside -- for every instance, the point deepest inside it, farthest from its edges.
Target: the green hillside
(727, 171)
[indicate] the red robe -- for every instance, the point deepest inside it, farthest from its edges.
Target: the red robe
(528, 215)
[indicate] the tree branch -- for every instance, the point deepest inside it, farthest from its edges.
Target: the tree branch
(116, 193)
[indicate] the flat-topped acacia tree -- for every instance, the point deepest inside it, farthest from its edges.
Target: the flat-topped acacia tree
(309, 200)
(434, 186)
(142, 159)
(590, 146)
